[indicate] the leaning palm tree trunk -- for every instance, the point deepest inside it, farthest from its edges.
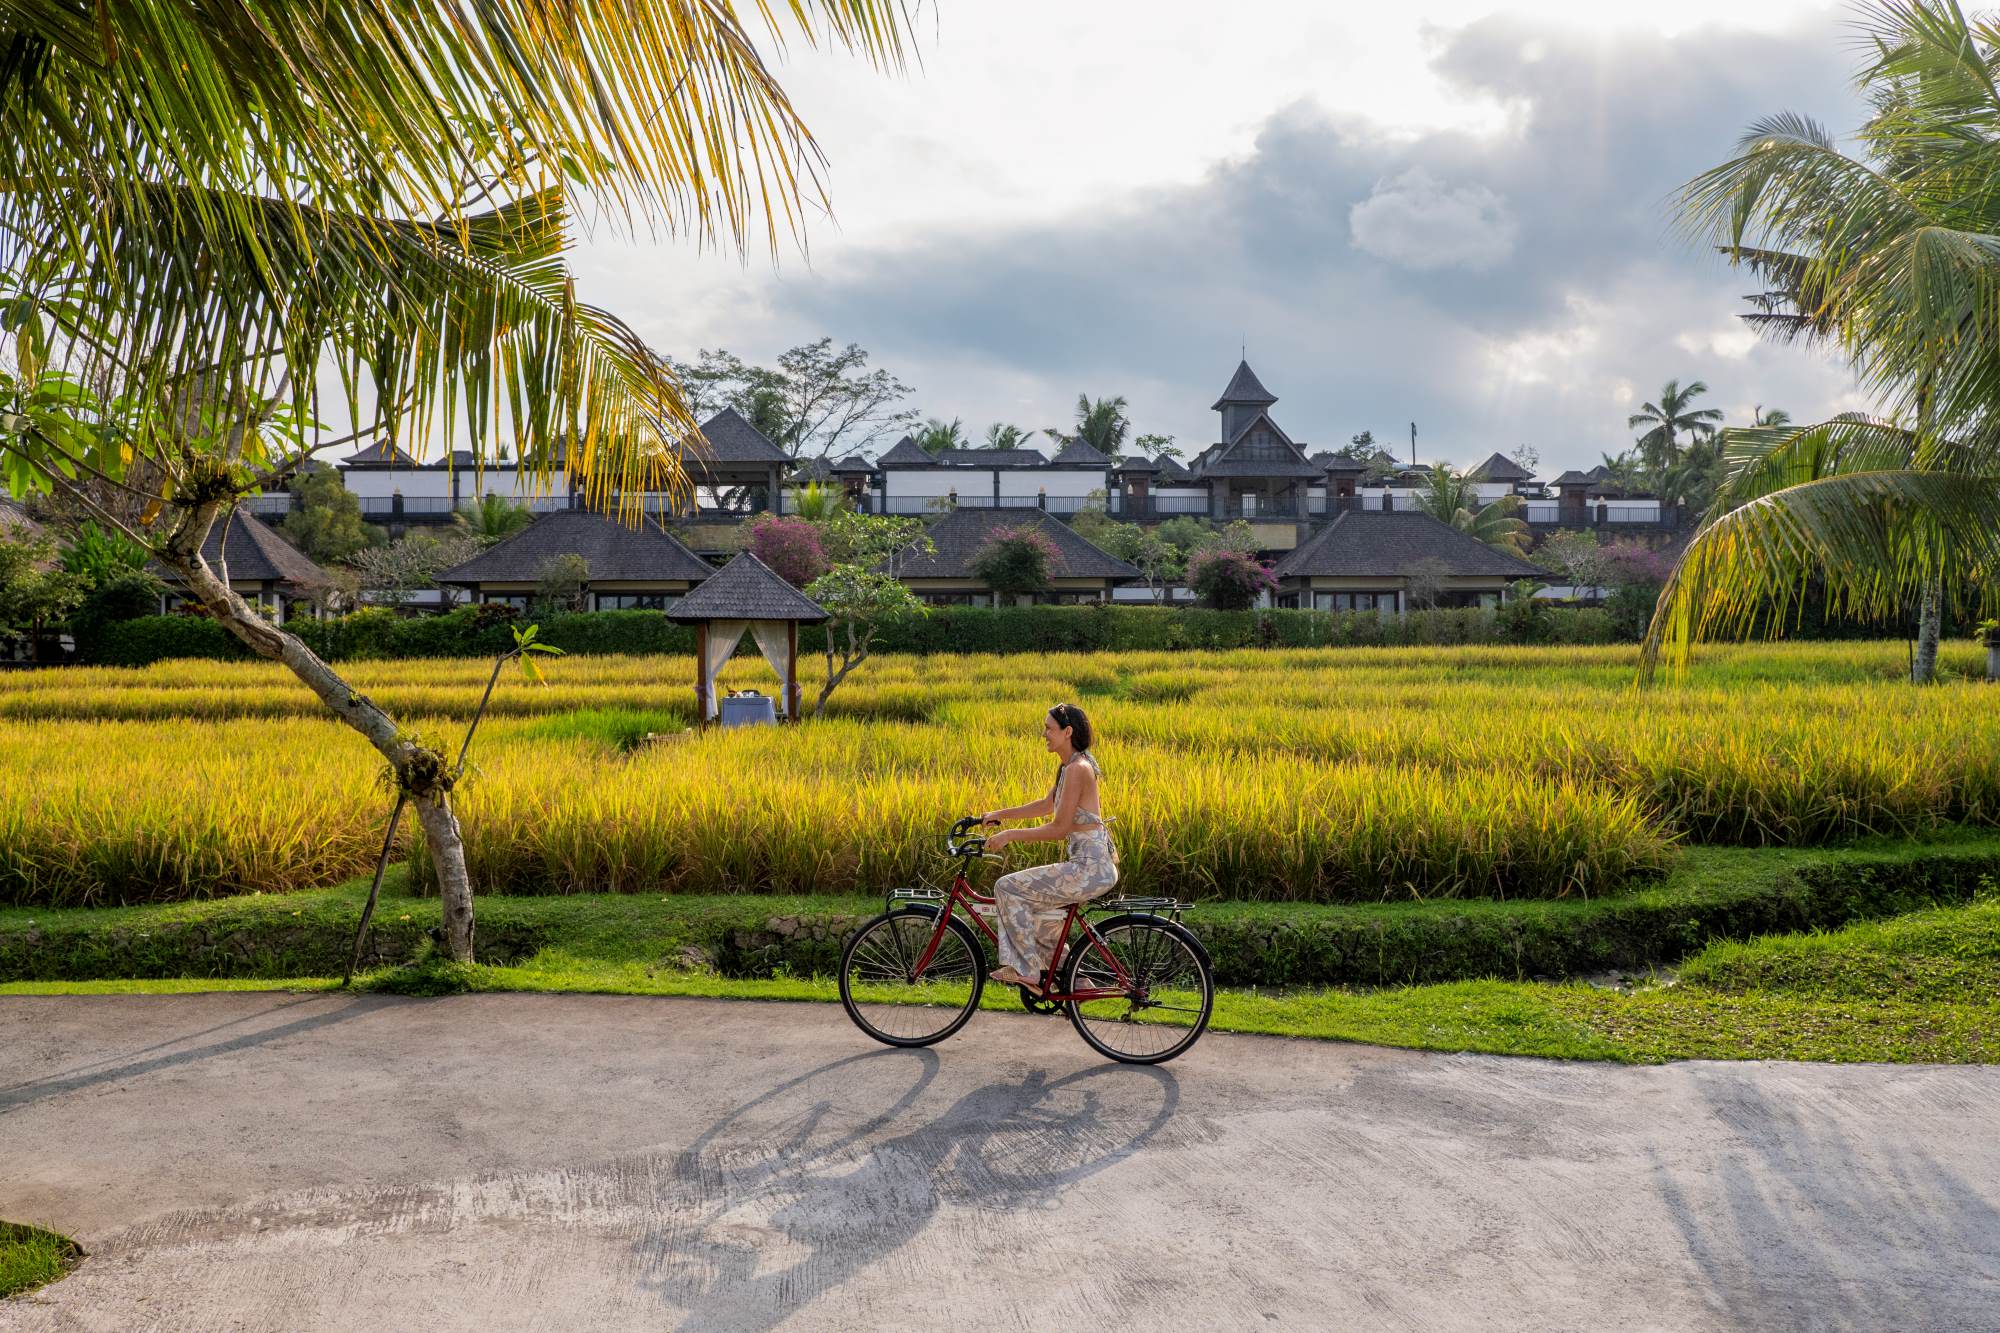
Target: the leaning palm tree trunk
(421, 773)
(1930, 615)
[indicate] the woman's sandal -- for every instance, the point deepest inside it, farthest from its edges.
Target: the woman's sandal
(1007, 976)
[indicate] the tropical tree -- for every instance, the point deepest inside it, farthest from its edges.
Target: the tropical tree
(1776, 416)
(1155, 445)
(326, 525)
(1887, 256)
(816, 502)
(1004, 435)
(491, 518)
(1621, 469)
(819, 400)
(1668, 419)
(937, 435)
(1453, 499)
(1016, 562)
(413, 562)
(207, 205)
(1101, 423)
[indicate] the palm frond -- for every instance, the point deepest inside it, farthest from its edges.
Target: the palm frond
(1874, 540)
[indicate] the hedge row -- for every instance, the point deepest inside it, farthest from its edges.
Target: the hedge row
(480, 632)
(1717, 896)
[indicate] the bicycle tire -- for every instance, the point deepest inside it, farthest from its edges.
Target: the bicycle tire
(872, 933)
(1170, 955)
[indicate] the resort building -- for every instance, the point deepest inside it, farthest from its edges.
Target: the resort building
(258, 565)
(1082, 573)
(628, 568)
(1367, 560)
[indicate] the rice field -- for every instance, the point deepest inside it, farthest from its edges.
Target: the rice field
(1311, 775)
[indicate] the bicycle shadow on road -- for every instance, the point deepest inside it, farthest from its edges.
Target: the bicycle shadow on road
(796, 1200)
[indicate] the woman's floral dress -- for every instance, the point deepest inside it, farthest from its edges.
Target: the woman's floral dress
(1030, 904)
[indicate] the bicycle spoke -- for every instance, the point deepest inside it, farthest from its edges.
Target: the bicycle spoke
(884, 994)
(1160, 1012)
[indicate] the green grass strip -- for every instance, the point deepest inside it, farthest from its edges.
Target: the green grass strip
(31, 1257)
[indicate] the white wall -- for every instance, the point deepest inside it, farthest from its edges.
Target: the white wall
(938, 481)
(1077, 482)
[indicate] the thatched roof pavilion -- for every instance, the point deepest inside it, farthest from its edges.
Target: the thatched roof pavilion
(746, 595)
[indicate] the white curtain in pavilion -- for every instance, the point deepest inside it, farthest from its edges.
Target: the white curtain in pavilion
(774, 641)
(723, 636)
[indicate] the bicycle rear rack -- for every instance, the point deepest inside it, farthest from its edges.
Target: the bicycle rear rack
(1150, 906)
(918, 895)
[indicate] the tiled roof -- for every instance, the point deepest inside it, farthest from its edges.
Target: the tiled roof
(959, 534)
(1136, 463)
(991, 458)
(905, 453)
(255, 554)
(1244, 387)
(1172, 469)
(1221, 461)
(1574, 478)
(382, 453)
(746, 589)
(1080, 453)
(1501, 468)
(855, 463)
(1365, 543)
(732, 439)
(613, 551)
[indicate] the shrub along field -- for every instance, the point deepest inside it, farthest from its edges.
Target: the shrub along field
(1356, 775)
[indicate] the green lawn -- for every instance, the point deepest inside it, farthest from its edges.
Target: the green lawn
(31, 1257)
(1847, 1001)
(1873, 952)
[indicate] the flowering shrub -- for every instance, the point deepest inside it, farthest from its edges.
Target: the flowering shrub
(790, 546)
(1228, 580)
(1016, 560)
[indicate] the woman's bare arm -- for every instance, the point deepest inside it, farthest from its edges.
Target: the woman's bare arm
(1041, 809)
(1062, 811)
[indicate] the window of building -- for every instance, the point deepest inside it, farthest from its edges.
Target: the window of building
(635, 601)
(1354, 601)
(517, 600)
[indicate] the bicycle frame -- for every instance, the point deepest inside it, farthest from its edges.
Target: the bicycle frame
(963, 894)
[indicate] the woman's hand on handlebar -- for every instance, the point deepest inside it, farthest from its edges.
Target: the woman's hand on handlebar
(989, 820)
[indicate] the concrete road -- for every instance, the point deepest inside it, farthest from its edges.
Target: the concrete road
(556, 1162)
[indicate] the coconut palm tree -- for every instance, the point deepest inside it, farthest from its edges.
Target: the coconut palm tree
(1669, 418)
(1453, 499)
(937, 435)
(492, 518)
(207, 206)
(1777, 416)
(1102, 423)
(1002, 435)
(1888, 256)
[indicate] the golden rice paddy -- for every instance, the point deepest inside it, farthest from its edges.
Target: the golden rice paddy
(1321, 775)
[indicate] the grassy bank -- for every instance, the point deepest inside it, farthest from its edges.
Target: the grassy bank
(31, 1257)
(1713, 894)
(1885, 953)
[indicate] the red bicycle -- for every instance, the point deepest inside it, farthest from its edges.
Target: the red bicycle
(1137, 985)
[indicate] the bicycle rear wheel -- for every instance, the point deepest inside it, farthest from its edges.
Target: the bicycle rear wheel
(889, 999)
(1166, 1005)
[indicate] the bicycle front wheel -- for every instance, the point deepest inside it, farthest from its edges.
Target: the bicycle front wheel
(895, 1002)
(1163, 1005)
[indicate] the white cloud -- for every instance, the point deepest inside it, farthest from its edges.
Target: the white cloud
(1419, 222)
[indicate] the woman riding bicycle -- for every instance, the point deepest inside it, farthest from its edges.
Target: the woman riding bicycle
(1030, 905)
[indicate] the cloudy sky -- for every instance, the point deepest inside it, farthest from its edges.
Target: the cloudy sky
(1435, 211)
